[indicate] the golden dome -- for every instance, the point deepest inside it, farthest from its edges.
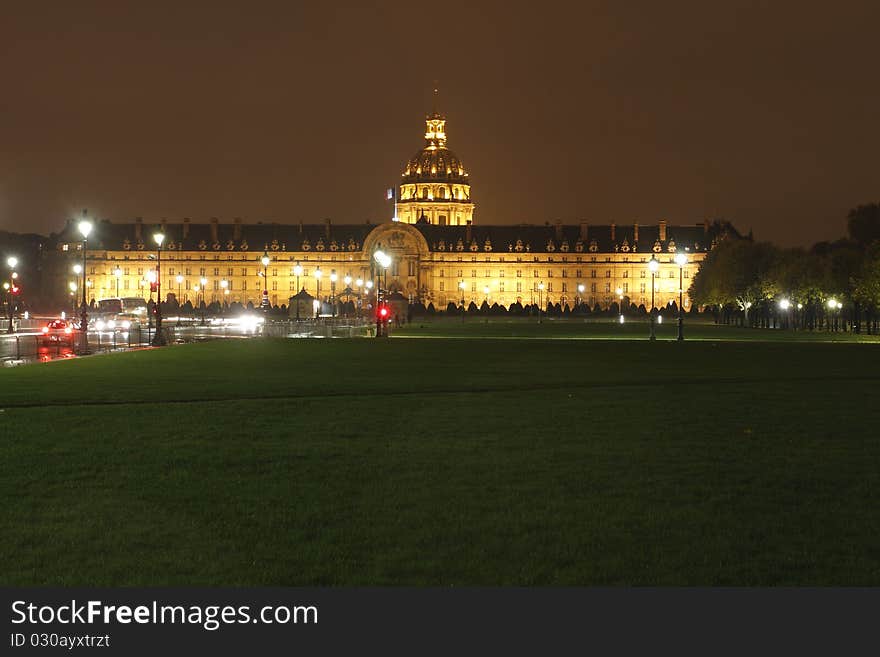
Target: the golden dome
(435, 162)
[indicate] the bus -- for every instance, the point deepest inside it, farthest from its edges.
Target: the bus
(134, 309)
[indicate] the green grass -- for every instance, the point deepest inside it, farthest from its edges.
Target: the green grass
(444, 462)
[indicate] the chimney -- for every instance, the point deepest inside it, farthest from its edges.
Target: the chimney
(138, 229)
(558, 230)
(236, 228)
(186, 227)
(468, 232)
(706, 227)
(613, 232)
(214, 222)
(300, 226)
(662, 230)
(635, 232)
(584, 231)
(327, 228)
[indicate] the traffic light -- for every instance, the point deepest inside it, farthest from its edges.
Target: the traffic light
(383, 312)
(16, 290)
(154, 286)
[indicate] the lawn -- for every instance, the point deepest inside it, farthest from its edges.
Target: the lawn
(444, 462)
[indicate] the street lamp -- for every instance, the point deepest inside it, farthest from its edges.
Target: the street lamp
(461, 287)
(179, 280)
(580, 289)
(203, 282)
(264, 302)
(318, 274)
(384, 261)
(653, 265)
(12, 261)
(117, 273)
(333, 279)
(159, 337)
(85, 227)
(681, 260)
(540, 300)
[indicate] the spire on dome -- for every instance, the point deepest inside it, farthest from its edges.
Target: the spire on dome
(435, 125)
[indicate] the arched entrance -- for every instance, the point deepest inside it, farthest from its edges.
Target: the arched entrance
(409, 258)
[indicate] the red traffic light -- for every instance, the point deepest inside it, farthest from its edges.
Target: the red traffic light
(15, 289)
(383, 312)
(154, 287)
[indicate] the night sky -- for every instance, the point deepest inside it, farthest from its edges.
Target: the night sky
(767, 114)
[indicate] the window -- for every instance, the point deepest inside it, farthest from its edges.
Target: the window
(125, 285)
(549, 287)
(565, 287)
(642, 288)
(460, 273)
(535, 272)
(171, 271)
(243, 271)
(140, 271)
(518, 286)
(500, 273)
(626, 273)
(687, 273)
(501, 286)
(626, 288)
(592, 273)
(274, 285)
(671, 274)
(642, 274)
(564, 273)
(216, 271)
(125, 271)
(243, 286)
(607, 288)
(549, 273)
(229, 271)
(473, 273)
(411, 267)
(519, 273)
(580, 273)
(442, 274)
(473, 287)
(592, 287)
(607, 273)
(201, 271)
(442, 288)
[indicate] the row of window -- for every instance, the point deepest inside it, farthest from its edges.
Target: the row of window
(487, 273)
(548, 287)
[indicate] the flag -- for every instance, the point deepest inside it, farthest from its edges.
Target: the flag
(389, 194)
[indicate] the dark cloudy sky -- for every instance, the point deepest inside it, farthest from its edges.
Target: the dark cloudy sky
(766, 113)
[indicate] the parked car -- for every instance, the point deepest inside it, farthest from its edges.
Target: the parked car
(58, 331)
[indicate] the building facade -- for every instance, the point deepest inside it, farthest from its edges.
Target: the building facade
(439, 254)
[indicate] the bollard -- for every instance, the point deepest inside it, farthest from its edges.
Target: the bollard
(17, 348)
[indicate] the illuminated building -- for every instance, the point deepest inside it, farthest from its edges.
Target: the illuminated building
(435, 245)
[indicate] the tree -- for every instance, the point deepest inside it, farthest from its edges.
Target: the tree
(863, 224)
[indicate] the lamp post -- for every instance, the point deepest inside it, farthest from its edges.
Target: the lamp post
(117, 273)
(179, 279)
(333, 279)
(297, 271)
(681, 260)
(264, 301)
(653, 265)
(347, 280)
(203, 282)
(384, 261)
(159, 337)
(461, 287)
(318, 274)
(85, 227)
(540, 300)
(72, 287)
(580, 297)
(12, 261)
